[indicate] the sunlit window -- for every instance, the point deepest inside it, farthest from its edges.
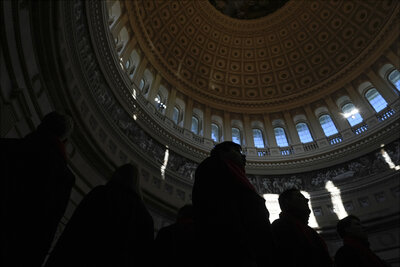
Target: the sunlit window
(175, 115)
(123, 38)
(258, 138)
(160, 103)
(236, 136)
(394, 78)
(141, 84)
(158, 98)
(280, 137)
(114, 12)
(195, 125)
(304, 132)
(375, 99)
(351, 113)
(132, 72)
(127, 64)
(214, 132)
(327, 125)
(134, 60)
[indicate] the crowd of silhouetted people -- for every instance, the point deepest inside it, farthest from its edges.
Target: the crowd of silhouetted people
(227, 223)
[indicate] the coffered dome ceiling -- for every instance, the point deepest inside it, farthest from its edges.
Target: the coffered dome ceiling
(296, 54)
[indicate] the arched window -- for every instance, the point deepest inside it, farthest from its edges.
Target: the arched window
(304, 132)
(160, 103)
(114, 11)
(123, 38)
(351, 113)
(236, 136)
(327, 125)
(158, 98)
(141, 84)
(127, 64)
(134, 59)
(195, 125)
(146, 89)
(280, 137)
(132, 72)
(375, 99)
(215, 132)
(258, 138)
(148, 78)
(394, 78)
(175, 115)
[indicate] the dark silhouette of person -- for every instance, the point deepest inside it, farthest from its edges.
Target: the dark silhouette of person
(298, 244)
(231, 219)
(110, 227)
(355, 251)
(174, 244)
(36, 187)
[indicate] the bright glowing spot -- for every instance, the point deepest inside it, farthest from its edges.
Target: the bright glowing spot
(271, 201)
(352, 113)
(134, 94)
(134, 117)
(388, 160)
(336, 199)
(164, 166)
(312, 222)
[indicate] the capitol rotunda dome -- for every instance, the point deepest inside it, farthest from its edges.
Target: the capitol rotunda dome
(309, 89)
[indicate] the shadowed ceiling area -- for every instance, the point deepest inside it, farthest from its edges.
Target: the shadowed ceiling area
(247, 9)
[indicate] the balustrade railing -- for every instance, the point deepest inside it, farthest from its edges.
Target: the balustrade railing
(198, 139)
(360, 128)
(335, 139)
(310, 146)
(263, 152)
(285, 151)
(385, 114)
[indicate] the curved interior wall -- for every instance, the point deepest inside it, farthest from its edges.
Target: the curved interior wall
(49, 62)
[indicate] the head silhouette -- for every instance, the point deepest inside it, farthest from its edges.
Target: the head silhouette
(127, 175)
(231, 151)
(57, 125)
(186, 212)
(350, 226)
(293, 202)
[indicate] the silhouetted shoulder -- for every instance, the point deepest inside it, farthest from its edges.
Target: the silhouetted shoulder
(346, 257)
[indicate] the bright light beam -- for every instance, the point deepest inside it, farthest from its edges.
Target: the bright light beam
(165, 163)
(352, 113)
(312, 222)
(272, 204)
(134, 93)
(388, 160)
(336, 199)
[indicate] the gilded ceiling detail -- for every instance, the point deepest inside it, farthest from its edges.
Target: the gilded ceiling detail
(289, 54)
